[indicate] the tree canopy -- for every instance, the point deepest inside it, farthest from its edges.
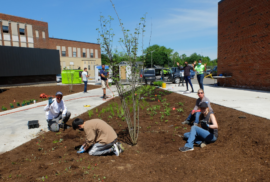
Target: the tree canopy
(161, 56)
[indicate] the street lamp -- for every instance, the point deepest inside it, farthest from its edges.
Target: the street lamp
(151, 59)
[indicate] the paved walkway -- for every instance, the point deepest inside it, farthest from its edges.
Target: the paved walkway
(254, 102)
(14, 129)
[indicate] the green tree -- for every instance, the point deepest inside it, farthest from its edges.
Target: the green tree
(160, 56)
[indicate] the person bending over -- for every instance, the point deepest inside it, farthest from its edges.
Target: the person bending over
(187, 76)
(195, 113)
(56, 110)
(208, 133)
(104, 81)
(101, 139)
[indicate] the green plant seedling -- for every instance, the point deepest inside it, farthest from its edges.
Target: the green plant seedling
(180, 103)
(96, 110)
(180, 110)
(184, 128)
(148, 127)
(153, 99)
(156, 122)
(55, 141)
(166, 121)
(90, 113)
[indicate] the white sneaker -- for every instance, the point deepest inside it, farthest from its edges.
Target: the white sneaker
(203, 144)
(120, 147)
(116, 150)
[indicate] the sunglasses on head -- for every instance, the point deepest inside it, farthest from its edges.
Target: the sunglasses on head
(200, 92)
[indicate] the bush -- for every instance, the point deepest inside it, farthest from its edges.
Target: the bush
(158, 83)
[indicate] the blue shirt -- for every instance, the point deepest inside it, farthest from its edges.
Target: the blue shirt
(104, 72)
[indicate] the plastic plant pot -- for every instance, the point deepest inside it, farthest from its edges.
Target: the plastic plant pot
(28, 103)
(11, 106)
(23, 104)
(18, 104)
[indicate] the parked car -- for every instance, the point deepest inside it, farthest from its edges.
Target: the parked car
(58, 78)
(208, 72)
(149, 75)
(214, 71)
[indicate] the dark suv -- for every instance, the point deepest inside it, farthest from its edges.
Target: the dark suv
(149, 75)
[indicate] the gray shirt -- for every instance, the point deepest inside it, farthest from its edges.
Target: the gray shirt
(199, 101)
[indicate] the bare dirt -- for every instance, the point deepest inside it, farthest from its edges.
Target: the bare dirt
(19, 94)
(241, 152)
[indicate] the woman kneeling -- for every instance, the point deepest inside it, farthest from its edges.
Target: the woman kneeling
(207, 134)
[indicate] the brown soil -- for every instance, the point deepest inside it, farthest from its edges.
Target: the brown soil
(241, 152)
(19, 94)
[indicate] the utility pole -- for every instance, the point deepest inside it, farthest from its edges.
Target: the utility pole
(151, 59)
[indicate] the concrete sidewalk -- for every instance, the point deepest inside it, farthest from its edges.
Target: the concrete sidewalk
(14, 130)
(254, 102)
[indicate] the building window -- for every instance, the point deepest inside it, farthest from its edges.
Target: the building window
(43, 34)
(89, 67)
(92, 55)
(83, 54)
(5, 29)
(22, 32)
(37, 34)
(64, 53)
(74, 54)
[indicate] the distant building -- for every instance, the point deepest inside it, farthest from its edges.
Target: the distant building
(244, 43)
(21, 32)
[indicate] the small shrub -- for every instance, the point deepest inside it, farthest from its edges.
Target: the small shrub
(18, 104)
(180, 110)
(90, 113)
(11, 105)
(180, 104)
(158, 83)
(4, 108)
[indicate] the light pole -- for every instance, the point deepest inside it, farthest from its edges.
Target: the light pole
(151, 59)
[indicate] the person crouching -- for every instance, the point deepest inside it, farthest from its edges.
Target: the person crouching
(101, 138)
(56, 110)
(207, 134)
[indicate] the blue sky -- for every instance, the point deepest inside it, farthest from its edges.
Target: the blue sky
(187, 26)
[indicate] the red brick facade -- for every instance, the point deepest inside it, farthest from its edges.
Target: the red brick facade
(47, 43)
(244, 43)
(69, 43)
(37, 25)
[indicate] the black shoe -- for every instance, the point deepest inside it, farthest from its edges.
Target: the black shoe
(192, 91)
(185, 149)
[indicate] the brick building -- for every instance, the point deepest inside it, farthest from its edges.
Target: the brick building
(22, 32)
(244, 43)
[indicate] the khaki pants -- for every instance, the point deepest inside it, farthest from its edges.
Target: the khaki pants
(103, 84)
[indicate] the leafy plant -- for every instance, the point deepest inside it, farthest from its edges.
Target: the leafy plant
(4, 108)
(167, 111)
(11, 105)
(180, 103)
(18, 104)
(180, 110)
(158, 83)
(90, 113)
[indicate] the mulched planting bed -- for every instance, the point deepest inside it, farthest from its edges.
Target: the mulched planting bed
(19, 94)
(241, 152)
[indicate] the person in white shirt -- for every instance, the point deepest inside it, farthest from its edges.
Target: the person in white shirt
(85, 79)
(55, 111)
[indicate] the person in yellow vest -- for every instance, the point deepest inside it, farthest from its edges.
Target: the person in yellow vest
(200, 69)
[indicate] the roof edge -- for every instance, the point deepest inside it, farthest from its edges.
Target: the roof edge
(74, 40)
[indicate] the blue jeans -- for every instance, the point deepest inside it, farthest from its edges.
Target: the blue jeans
(196, 115)
(198, 135)
(85, 86)
(200, 80)
(188, 80)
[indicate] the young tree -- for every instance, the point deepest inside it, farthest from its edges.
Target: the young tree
(129, 43)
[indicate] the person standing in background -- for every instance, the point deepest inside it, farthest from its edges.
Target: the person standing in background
(104, 80)
(200, 69)
(85, 79)
(187, 76)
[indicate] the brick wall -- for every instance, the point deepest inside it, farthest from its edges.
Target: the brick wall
(69, 43)
(36, 25)
(244, 43)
